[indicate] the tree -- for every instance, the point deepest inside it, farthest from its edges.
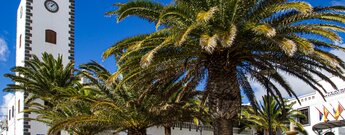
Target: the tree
(189, 110)
(123, 107)
(281, 116)
(48, 80)
(118, 109)
(41, 78)
(227, 43)
(67, 113)
(138, 108)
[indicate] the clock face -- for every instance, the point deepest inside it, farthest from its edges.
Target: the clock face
(51, 6)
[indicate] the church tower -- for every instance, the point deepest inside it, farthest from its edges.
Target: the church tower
(42, 26)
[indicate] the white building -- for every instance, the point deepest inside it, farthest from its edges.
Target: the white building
(312, 105)
(42, 26)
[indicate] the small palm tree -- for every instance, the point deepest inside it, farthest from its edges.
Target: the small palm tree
(186, 110)
(281, 116)
(49, 80)
(66, 113)
(122, 107)
(227, 43)
(40, 78)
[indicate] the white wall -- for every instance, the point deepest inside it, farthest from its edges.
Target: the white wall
(11, 120)
(15, 125)
(20, 51)
(177, 131)
(42, 20)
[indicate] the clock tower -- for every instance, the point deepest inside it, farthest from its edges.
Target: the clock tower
(42, 26)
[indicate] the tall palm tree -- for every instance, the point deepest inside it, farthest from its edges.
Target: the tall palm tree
(229, 42)
(281, 115)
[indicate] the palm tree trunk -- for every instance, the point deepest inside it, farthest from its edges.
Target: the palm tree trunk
(224, 98)
(167, 130)
(223, 127)
(260, 132)
(137, 132)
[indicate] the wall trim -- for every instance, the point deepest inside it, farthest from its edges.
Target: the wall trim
(28, 42)
(71, 30)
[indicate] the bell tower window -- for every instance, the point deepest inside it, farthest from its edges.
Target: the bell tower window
(12, 111)
(20, 40)
(9, 114)
(50, 36)
(19, 106)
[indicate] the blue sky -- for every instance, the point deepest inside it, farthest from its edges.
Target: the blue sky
(95, 32)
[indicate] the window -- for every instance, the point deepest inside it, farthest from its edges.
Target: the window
(19, 106)
(20, 40)
(304, 121)
(9, 114)
(12, 111)
(51, 36)
(21, 12)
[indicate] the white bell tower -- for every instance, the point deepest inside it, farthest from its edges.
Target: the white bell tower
(42, 26)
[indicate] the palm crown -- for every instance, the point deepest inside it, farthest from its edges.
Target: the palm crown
(229, 42)
(128, 108)
(40, 78)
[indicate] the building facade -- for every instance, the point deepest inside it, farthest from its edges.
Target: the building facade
(42, 26)
(315, 107)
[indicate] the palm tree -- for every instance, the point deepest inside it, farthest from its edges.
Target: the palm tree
(120, 109)
(174, 111)
(49, 80)
(64, 113)
(281, 115)
(128, 108)
(227, 43)
(41, 78)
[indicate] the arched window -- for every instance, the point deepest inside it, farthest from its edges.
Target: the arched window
(20, 40)
(50, 36)
(19, 106)
(12, 111)
(9, 114)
